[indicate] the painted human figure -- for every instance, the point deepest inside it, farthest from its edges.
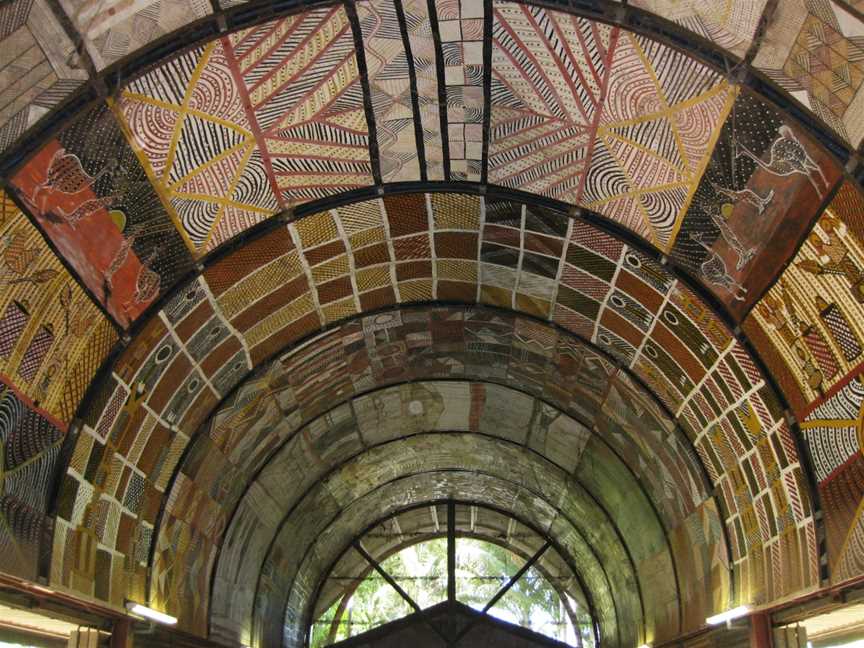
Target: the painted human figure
(817, 359)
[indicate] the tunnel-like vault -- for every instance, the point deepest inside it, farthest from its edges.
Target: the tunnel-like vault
(275, 271)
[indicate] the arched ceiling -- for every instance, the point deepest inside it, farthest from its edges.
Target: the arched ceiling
(228, 228)
(388, 537)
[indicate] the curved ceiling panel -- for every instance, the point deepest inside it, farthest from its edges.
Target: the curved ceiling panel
(214, 195)
(257, 300)
(808, 328)
(404, 347)
(350, 430)
(399, 475)
(808, 43)
(205, 146)
(731, 25)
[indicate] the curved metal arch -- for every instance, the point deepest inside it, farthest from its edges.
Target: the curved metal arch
(409, 543)
(552, 541)
(594, 219)
(706, 482)
(569, 477)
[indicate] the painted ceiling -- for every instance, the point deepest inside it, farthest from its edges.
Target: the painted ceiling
(272, 272)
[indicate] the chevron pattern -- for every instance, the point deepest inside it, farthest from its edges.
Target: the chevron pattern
(301, 78)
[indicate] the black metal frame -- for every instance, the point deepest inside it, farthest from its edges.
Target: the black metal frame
(413, 307)
(424, 503)
(451, 548)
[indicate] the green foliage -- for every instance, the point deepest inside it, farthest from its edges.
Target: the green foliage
(482, 569)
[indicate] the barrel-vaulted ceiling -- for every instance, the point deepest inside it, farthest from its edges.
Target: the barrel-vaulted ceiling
(274, 271)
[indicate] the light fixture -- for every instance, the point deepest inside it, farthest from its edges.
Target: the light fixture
(149, 613)
(728, 615)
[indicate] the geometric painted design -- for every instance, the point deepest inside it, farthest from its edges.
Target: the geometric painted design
(731, 24)
(40, 66)
(460, 24)
(814, 51)
(53, 339)
(833, 432)
(390, 86)
(111, 29)
(188, 120)
(545, 106)
(30, 441)
(600, 117)
(305, 103)
(762, 189)
(425, 59)
(400, 249)
(135, 430)
(139, 186)
(657, 130)
(455, 338)
(808, 328)
(811, 323)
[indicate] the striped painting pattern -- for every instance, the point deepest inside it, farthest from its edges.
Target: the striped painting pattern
(425, 55)
(188, 119)
(390, 87)
(549, 74)
(301, 77)
(30, 447)
(662, 115)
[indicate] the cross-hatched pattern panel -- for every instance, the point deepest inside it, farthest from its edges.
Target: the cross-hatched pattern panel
(52, 337)
(810, 322)
(814, 50)
(549, 78)
(42, 68)
(30, 441)
(113, 29)
(135, 429)
(731, 24)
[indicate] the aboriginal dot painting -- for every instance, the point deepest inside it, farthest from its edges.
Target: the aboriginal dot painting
(596, 268)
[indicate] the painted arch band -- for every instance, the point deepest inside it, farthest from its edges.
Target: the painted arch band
(340, 243)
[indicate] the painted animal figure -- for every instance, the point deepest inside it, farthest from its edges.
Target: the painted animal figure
(787, 157)
(66, 175)
(744, 254)
(714, 271)
(81, 211)
(747, 195)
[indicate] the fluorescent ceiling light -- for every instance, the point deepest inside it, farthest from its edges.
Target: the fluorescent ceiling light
(149, 613)
(728, 615)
